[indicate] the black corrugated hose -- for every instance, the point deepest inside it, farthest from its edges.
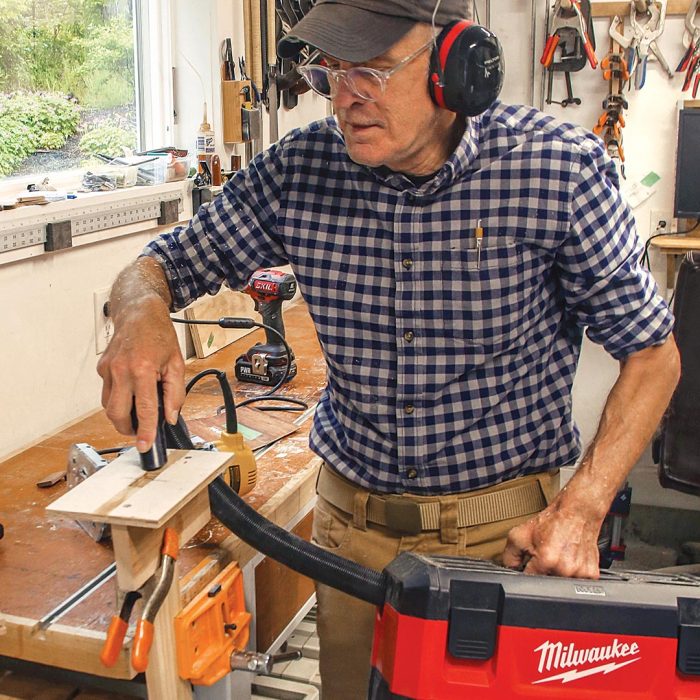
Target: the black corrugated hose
(282, 546)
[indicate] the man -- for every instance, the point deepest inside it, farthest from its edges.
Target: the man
(450, 266)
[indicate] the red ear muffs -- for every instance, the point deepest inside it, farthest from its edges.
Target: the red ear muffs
(466, 68)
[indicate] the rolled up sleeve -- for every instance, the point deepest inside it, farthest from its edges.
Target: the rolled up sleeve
(605, 287)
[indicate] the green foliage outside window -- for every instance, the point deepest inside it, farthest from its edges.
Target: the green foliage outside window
(82, 49)
(29, 122)
(108, 139)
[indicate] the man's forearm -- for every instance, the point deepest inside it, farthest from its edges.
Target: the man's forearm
(632, 412)
(144, 279)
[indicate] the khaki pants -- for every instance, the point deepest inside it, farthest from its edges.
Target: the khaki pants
(345, 624)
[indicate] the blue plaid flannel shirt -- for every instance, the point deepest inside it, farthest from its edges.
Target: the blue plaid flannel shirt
(447, 370)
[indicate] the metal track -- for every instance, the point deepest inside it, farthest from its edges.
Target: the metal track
(20, 232)
(77, 597)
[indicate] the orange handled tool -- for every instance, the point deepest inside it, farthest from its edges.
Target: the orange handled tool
(144, 629)
(117, 630)
(549, 48)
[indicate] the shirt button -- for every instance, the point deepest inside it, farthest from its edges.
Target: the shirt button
(412, 473)
(408, 263)
(409, 408)
(408, 336)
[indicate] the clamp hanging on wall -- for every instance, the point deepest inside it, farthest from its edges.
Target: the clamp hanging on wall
(611, 121)
(571, 32)
(690, 62)
(647, 26)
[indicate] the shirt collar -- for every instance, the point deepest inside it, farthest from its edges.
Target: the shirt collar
(459, 162)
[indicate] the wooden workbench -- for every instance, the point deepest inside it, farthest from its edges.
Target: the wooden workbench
(45, 559)
(673, 247)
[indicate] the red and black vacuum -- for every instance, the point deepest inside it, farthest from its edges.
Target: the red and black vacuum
(454, 628)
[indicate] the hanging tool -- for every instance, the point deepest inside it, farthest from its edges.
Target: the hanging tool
(616, 35)
(272, 95)
(143, 637)
(267, 363)
(570, 32)
(228, 66)
(645, 35)
(573, 19)
(690, 61)
(616, 72)
(289, 82)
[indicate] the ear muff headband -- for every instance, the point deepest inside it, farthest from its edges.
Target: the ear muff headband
(438, 77)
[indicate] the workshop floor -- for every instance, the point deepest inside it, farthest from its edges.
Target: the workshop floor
(304, 670)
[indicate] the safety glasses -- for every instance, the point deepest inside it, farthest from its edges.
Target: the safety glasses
(368, 84)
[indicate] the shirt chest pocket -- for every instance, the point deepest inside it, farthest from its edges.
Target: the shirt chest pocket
(485, 286)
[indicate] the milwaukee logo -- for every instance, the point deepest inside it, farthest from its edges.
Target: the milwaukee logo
(556, 655)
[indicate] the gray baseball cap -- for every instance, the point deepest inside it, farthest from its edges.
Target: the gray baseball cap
(358, 30)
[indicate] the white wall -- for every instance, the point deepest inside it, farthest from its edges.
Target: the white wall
(47, 357)
(199, 28)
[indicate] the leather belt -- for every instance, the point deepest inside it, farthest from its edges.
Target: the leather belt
(412, 517)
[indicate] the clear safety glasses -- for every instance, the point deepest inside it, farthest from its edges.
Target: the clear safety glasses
(366, 83)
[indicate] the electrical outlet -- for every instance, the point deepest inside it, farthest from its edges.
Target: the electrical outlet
(661, 221)
(104, 328)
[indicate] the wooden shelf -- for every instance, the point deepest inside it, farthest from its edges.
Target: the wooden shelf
(610, 9)
(677, 244)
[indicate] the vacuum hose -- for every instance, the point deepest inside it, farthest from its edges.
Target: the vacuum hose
(282, 546)
(292, 551)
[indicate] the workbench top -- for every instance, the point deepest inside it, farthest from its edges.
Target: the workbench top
(44, 559)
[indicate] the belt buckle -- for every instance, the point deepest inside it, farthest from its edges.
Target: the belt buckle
(403, 515)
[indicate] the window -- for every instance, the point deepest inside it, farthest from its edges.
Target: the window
(69, 83)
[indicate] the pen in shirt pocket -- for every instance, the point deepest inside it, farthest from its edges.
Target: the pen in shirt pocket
(478, 236)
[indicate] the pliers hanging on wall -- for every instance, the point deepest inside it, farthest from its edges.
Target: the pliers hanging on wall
(143, 637)
(690, 62)
(644, 39)
(575, 21)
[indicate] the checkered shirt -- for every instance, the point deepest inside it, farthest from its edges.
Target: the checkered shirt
(448, 370)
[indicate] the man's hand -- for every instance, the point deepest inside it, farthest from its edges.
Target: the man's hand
(143, 351)
(563, 538)
(555, 542)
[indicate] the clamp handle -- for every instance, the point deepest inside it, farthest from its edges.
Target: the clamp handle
(117, 630)
(549, 48)
(686, 58)
(143, 639)
(589, 51)
(113, 643)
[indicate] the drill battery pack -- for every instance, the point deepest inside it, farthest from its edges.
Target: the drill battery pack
(266, 365)
(463, 628)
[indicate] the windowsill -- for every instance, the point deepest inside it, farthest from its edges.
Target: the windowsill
(63, 180)
(94, 216)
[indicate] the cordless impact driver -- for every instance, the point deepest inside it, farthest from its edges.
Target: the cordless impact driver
(266, 363)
